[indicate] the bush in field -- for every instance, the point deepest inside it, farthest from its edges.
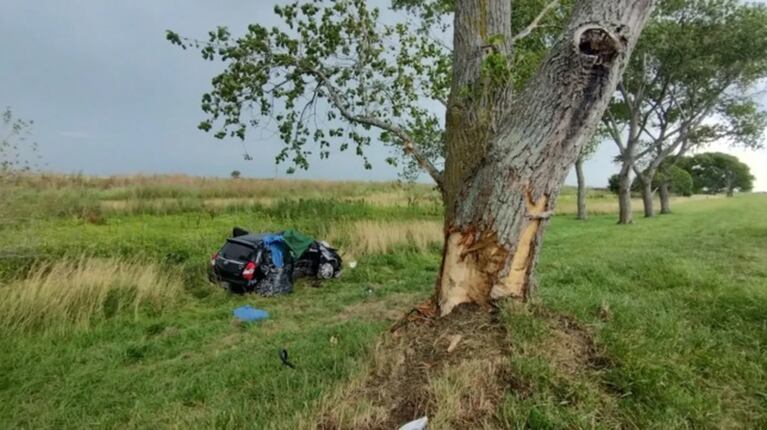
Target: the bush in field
(716, 172)
(678, 180)
(65, 295)
(613, 183)
(235, 174)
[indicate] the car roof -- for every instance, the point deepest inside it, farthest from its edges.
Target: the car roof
(249, 239)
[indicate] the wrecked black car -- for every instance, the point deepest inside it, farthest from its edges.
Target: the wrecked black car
(268, 263)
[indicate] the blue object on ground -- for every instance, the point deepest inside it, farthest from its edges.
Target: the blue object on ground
(249, 314)
(275, 243)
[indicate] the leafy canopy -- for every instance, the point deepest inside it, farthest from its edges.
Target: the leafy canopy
(678, 180)
(716, 172)
(333, 77)
(537, 23)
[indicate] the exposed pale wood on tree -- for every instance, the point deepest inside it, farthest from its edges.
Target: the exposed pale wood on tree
(513, 284)
(507, 157)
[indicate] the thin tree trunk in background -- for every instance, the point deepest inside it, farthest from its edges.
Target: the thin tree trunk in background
(665, 203)
(625, 216)
(647, 197)
(507, 159)
(581, 188)
(730, 188)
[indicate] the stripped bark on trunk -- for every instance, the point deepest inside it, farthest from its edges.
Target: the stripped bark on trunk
(507, 157)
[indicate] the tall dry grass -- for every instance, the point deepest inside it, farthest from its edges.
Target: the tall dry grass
(377, 237)
(176, 186)
(75, 294)
(95, 199)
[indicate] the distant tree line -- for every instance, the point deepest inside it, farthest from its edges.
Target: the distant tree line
(706, 173)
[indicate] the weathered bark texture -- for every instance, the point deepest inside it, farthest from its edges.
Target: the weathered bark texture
(665, 203)
(507, 157)
(581, 188)
(647, 196)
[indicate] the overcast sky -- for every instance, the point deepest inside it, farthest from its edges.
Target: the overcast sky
(109, 95)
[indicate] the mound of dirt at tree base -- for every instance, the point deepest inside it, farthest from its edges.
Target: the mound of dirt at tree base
(451, 369)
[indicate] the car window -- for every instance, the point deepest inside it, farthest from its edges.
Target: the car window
(235, 251)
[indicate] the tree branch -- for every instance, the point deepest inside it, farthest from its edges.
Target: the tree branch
(534, 24)
(644, 152)
(441, 100)
(637, 171)
(650, 135)
(633, 109)
(626, 98)
(612, 128)
(408, 143)
(658, 104)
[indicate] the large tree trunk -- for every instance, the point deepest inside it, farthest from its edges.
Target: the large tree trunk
(625, 215)
(581, 188)
(647, 197)
(506, 160)
(665, 203)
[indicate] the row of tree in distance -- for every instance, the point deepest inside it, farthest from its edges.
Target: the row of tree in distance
(706, 173)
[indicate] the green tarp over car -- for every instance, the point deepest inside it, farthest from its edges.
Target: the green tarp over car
(297, 242)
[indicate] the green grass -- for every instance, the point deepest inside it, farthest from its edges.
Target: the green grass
(686, 334)
(194, 366)
(683, 344)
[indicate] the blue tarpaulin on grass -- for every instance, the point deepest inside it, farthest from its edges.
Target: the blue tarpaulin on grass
(249, 313)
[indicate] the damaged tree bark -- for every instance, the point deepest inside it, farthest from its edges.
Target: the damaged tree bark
(507, 157)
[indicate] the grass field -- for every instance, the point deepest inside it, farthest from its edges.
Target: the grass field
(107, 320)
